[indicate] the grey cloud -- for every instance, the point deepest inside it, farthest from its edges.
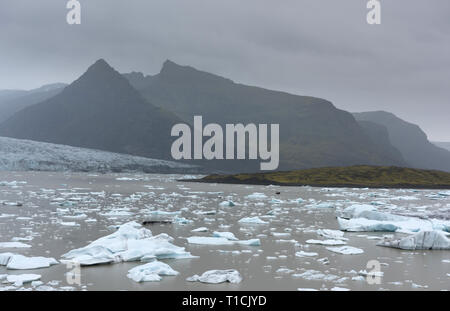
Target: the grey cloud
(322, 48)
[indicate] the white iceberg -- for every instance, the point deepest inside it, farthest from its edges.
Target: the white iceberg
(227, 235)
(200, 240)
(346, 250)
(331, 234)
(217, 276)
(150, 272)
(200, 229)
(257, 196)
(130, 242)
(227, 203)
(326, 242)
(252, 220)
(14, 245)
(306, 254)
(20, 279)
(20, 262)
(435, 240)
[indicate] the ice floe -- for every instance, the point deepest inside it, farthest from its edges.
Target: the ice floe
(326, 242)
(20, 262)
(217, 276)
(305, 254)
(423, 240)
(346, 250)
(252, 220)
(200, 240)
(131, 242)
(150, 272)
(14, 245)
(20, 279)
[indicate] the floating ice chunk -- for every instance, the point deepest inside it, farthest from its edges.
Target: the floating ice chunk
(4, 258)
(7, 216)
(331, 234)
(256, 196)
(14, 245)
(251, 242)
(346, 250)
(326, 242)
(276, 201)
(307, 289)
(201, 229)
(305, 254)
(20, 262)
(422, 240)
(116, 214)
(150, 272)
(340, 289)
(227, 235)
(209, 240)
(130, 242)
(20, 279)
(69, 224)
(281, 234)
(353, 211)
(181, 220)
(314, 275)
(227, 203)
(322, 205)
(221, 241)
(365, 225)
(371, 273)
(75, 217)
(217, 276)
(252, 220)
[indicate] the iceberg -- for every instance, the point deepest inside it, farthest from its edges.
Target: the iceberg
(200, 240)
(14, 245)
(346, 250)
(20, 262)
(227, 204)
(20, 279)
(331, 234)
(305, 254)
(150, 272)
(257, 196)
(131, 242)
(201, 229)
(227, 235)
(252, 220)
(432, 240)
(326, 242)
(217, 276)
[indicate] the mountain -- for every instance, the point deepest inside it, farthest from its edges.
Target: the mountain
(26, 155)
(12, 101)
(100, 110)
(313, 132)
(444, 145)
(410, 140)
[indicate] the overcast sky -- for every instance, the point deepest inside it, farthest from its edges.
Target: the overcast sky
(322, 48)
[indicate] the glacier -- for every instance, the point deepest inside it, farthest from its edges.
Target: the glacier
(27, 155)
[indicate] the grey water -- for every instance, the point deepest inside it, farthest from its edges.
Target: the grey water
(39, 220)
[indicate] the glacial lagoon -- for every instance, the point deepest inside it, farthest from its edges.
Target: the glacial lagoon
(288, 241)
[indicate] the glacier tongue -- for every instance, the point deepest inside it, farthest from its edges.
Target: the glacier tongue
(27, 155)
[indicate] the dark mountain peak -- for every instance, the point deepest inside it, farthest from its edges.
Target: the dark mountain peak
(172, 71)
(101, 78)
(100, 67)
